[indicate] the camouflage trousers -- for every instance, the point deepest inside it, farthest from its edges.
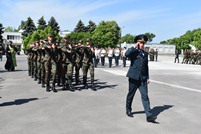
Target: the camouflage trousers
(53, 71)
(68, 69)
(85, 68)
(35, 70)
(47, 65)
(77, 69)
(39, 70)
(29, 66)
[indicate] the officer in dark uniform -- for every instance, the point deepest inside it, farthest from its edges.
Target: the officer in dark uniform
(138, 75)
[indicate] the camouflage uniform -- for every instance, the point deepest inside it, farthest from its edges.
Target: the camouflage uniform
(68, 62)
(87, 64)
(151, 54)
(78, 62)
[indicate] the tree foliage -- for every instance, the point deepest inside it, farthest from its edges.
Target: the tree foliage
(29, 27)
(80, 27)
(128, 38)
(91, 27)
(150, 36)
(21, 26)
(54, 24)
(106, 34)
(76, 36)
(190, 37)
(41, 23)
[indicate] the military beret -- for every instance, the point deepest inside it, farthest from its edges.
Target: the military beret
(141, 38)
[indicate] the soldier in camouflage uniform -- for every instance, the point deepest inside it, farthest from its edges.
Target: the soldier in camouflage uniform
(78, 61)
(42, 67)
(87, 64)
(47, 62)
(54, 60)
(68, 62)
(29, 58)
(151, 54)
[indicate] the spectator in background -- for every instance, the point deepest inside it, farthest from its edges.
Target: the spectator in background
(156, 54)
(110, 56)
(123, 56)
(117, 55)
(11, 62)
(102, 55)
(176, 56)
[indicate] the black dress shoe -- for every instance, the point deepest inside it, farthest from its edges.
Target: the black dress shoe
(129, 114)
(151, 118)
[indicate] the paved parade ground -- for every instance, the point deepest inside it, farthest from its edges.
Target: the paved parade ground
(174, 92)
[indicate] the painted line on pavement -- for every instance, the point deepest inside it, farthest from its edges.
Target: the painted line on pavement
(123, 73)
(176, 86)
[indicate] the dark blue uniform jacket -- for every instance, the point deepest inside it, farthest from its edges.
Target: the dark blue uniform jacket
(139, 69)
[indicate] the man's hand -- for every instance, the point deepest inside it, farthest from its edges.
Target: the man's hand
(148, 81)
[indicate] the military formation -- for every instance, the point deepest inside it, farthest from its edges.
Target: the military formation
(192, 57)
(52, 63)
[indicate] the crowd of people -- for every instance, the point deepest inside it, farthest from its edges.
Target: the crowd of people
(55, 62)
(191, 57)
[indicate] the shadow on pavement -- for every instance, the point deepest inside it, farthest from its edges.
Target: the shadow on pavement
(158, 109)
(18, 102)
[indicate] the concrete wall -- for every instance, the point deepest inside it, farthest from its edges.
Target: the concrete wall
(168, 49)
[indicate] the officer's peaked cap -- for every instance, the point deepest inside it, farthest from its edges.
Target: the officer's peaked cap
(141, 38)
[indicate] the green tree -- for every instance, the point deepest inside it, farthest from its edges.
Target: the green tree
(80, 27)
(91, 27)
(21, 26)
(76, 36)
(9, 29)
(106, 34)
(128, 38)
(150, 36)
(29, 27)
(26, 42)
(1, 32)
(35, 36)
(54, 24)
(41, 23)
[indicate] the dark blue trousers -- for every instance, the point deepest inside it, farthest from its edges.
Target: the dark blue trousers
(133, 86)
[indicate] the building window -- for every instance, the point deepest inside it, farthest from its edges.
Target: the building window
(13, 37)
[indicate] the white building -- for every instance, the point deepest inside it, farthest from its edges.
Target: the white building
(15, 37)
(162, 48)
(64, 33)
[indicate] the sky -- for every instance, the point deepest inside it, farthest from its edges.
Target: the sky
(166, 19)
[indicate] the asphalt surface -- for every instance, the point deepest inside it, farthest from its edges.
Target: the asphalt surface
(174, 92)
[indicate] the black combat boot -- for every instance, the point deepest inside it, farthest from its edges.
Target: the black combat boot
(93, 86)
(43, 84)
(63, 86)
(53, 87)
(35, 78)
(39, 81)
(58, 82)
(71, 88)
(85, 82)
(48, 88)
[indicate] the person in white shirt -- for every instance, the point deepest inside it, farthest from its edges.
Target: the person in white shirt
(97, 56)
(116, 56)
(110, 53)
(102, 55)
